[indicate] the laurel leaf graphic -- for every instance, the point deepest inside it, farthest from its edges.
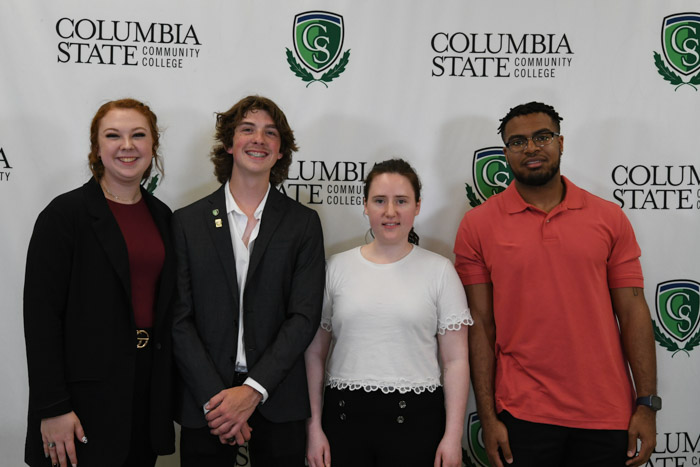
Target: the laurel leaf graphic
(663, 339)
(694, 341)
(152, 184)
(695, 80)
(298, 70)
(665, 72)
(334, 72)
(473, 200)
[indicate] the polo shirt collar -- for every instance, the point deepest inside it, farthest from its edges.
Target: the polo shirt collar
(514, 203)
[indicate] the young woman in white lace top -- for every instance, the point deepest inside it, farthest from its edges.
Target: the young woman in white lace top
(393, 332)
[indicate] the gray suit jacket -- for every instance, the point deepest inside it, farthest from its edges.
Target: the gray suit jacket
(282, 305)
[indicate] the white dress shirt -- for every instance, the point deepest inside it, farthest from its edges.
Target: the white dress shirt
(238, 222)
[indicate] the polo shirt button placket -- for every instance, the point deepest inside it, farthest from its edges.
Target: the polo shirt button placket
(547, 229)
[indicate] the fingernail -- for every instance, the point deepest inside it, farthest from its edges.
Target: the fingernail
(83, 440)
(46, 454)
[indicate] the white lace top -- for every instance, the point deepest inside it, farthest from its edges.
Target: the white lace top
(385, 318)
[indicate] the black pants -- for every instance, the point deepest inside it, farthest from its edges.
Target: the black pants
(376, 429)
(271, 445)
(140, 452)
(543, 445)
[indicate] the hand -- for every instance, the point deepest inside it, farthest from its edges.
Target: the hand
(642, 427)
(230, 409)
(318, 451)
(62, 430)
(239, 438)
(449, 453)
(496, 436)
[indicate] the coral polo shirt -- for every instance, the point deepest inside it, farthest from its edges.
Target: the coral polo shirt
(559, 357)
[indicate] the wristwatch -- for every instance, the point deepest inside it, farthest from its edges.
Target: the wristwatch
(653, 402)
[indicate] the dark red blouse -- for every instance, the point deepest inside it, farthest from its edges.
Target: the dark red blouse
(146, 257)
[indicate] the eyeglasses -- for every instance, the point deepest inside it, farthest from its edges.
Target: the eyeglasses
(540, 139)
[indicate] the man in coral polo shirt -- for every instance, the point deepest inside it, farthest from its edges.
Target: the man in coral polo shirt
(550, 270)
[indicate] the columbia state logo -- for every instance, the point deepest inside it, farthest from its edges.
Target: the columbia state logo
(491, 174)
(680, 41)
(476, 455)
(4, 165)
(318, 43)
(678, 313)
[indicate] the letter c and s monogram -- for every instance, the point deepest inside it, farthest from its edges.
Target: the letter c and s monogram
(685, 50)
(678, 314)
(319, 43)
(497, 180)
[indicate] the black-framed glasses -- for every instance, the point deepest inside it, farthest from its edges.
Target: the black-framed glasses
(519, 143)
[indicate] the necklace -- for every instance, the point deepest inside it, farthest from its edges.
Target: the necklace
(118, 198)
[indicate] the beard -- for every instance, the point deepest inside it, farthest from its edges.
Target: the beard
(537, 178)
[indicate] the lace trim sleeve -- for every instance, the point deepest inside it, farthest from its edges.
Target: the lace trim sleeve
(386, 387)
(326, 324)
(454, 322)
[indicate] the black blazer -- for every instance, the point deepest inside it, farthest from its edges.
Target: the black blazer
(80, 332)
(282, 304)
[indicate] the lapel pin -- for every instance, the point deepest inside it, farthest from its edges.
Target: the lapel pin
(218, 223)
(215, 212)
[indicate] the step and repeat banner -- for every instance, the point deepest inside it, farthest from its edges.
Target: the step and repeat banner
(362, 81)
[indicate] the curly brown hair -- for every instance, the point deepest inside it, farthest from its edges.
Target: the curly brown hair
(96, 166)
(226, 124)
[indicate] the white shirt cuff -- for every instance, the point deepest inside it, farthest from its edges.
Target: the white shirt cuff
(255, 385)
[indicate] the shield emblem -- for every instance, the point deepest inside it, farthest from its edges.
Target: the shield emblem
(678, 307)
(477, 451)
(680, 37)
(318, 38)
(491, 171)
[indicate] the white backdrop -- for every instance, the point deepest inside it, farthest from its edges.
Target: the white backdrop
(400, 93)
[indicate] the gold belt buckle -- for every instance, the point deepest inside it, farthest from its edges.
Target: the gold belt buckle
(142, 338)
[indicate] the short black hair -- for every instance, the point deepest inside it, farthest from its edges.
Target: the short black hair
(527, 109)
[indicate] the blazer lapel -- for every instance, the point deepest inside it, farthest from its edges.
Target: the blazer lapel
(216, 220)
(272, 215)
(107, 230)
(166, 282)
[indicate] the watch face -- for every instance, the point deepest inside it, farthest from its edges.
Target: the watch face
(653, 402)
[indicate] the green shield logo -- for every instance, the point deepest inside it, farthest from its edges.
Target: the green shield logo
(491, 171)
(477, 451)
(680, 37)
(678, 307)
(318, 38)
